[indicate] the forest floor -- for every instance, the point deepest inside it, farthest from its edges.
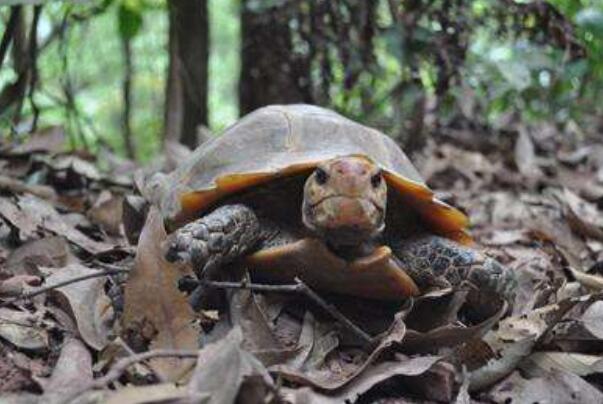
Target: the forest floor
(534, 204)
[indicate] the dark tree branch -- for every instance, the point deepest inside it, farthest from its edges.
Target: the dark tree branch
(126, 43)
(9, 32)
(33, 65)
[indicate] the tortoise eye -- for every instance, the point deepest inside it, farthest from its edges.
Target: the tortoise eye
(321, 176)
(376, 180)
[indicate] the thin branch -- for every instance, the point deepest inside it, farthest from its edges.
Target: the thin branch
(298, 287)
(39, 291)
(33, 65)
(9, 32)
(123, 364)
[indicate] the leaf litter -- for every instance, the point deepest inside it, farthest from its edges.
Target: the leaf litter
(121, 330)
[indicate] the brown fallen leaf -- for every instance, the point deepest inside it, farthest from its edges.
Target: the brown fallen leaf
(34, 213)
(448, 335)
(593, 283)
(86, 301)
(222, 367)
(107, 212)
(158, 393)
(16, 285)
(23, 329)
(557, 387)
(17, 186)
(47, 140)
(72, 370)
(525, 155)
(27, 228)
(51, 251)
(155, 311)
(538, 363)
(592, 319)
(333, 374)
(583, 217)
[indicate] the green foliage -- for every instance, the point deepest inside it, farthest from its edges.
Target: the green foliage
(129, 17)
(500, 57)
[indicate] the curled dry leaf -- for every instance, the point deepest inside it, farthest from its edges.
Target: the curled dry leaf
(16, 186)
(72, 370)
(160, 393)
(525, 155)
(222, 367)
(591, 282)
(22, 329)
(47, 252)
(334, 373)
(86, 301)
(25, 225)
(16, 285)
(107, 212)
(583, 217)
(47, 140)
(503, 349)
(556, 387)
(576, 363)
(155, 310)
(449, 335)
(592, 319)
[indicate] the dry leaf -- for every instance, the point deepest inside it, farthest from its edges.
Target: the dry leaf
(47, 252)
(576, 363)
(591, 282)
(107, 212)
(525, 155)
(22, 329)
(72, 370)
(334, 375)
(86, 301)
(592, 319)
(158, 393)
(47, 140)
(154, 309)
(222, 368)
(556, 387)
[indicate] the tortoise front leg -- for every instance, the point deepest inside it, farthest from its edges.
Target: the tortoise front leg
(216, 239)
(430, 259)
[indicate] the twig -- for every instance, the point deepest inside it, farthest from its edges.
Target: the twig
(120, 367)
(39, 291)
(298, 287)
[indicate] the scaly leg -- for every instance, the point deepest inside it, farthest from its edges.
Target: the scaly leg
(215, 239)
(430, 259)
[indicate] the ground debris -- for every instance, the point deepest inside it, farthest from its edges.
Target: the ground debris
(536, 207)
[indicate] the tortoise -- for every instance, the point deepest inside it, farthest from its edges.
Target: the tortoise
(301, 191)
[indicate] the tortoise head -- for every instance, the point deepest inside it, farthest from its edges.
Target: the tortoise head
(345, 199)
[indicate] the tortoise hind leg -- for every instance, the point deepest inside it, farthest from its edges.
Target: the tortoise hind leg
(431, 259)
(216, 239)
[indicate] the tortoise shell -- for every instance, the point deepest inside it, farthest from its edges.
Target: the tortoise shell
(284, 140)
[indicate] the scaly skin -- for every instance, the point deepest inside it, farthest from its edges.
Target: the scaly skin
(433, 261)
(218, 238)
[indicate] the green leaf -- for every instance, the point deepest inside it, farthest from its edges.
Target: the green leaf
(130, 21)
(591, 19)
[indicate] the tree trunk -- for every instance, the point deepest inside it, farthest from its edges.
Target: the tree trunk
(186, 94)
(271, 71)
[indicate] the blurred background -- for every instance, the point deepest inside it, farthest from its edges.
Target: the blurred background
(131, 74)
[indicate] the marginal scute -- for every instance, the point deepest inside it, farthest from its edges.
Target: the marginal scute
(285, 140)
(377, 276)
